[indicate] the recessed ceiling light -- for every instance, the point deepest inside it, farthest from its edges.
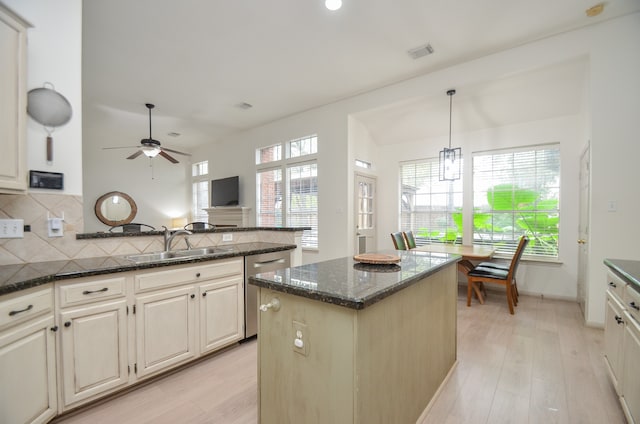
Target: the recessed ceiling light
(244, 105)
(333, 4)
(421, 51)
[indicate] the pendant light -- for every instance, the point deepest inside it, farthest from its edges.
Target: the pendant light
(450, 159)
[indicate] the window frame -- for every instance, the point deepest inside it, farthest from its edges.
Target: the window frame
(284, 165)
(535, 249)
(451, 232)
(197, 179)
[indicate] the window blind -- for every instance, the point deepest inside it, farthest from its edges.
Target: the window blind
(431, 208)
(517, 192)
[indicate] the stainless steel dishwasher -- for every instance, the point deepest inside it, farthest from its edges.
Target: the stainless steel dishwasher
(255, 264)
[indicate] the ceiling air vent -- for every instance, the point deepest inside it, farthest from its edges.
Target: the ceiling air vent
(244, 105)
(421, 51)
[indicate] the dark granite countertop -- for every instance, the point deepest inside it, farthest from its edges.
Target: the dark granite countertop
(627, 269)
(347, 283)
(221, 229)
(23, 276)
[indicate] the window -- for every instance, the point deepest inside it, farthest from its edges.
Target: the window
(200, 191)
(431, 208)
(517, 192)
(294, 204)
(363, 164)
(302, 203)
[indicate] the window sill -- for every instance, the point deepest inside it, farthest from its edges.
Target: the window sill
(531, 259)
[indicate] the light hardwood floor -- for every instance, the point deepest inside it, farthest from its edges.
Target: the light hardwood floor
(541, 365)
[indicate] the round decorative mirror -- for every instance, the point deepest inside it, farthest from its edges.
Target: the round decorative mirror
(115, 208)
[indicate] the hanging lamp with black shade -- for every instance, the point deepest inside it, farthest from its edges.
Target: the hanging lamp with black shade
(450, 159)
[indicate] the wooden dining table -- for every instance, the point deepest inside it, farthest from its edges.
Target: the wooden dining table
(469, 253)
(474, 252)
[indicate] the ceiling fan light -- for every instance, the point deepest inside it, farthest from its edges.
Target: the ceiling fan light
(150, 152)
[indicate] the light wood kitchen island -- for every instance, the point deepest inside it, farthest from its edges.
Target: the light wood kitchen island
(353, 343)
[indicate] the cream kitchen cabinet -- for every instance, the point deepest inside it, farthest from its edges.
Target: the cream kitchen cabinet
(186, 311)
(613, 335)
(93, 339)
(622, 342)
(27, 358)
(630, 372)
(13, 101)
(165, 329)
(221, 313)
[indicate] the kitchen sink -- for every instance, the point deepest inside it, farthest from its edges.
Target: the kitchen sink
(177, 254)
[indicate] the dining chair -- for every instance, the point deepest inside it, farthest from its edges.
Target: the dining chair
(409, 239)
(484, 274)
(505, 267)
(398, 241)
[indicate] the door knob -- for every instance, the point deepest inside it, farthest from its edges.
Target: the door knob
(581, 241)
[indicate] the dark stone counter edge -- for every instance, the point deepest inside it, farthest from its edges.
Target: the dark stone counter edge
(357, 304)
(106, 234)
(23, 285)
(618, 266)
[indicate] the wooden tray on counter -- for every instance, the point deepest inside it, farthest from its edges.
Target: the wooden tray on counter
(376, 258)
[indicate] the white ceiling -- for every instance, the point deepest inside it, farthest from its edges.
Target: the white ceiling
(197, 60)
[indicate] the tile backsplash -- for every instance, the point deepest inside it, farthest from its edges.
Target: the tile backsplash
(37, 246)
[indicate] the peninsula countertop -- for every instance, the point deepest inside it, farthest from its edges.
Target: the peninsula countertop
(354, 285)
(23, 276)
(628, 269)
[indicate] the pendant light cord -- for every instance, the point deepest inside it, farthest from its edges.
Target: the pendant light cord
(450, 93)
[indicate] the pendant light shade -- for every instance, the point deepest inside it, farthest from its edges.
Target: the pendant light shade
(450, 160)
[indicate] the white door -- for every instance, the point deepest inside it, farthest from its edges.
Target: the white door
(365, 209)
(583, 232)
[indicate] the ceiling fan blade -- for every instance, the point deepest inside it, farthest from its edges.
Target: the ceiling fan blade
(121, 147)
(167, 157)
(175, 151)
(135, 155)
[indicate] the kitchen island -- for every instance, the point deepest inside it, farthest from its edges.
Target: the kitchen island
(345, 342)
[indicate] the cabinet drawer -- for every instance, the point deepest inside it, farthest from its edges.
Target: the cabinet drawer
(186, 274)
(632, 302)
(616, 285)
(26, 306)
(78, 293)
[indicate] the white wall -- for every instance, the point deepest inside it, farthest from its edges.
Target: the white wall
(54, 55)
(614, 84)
(556, 280)
(615, 151)
(161, 192)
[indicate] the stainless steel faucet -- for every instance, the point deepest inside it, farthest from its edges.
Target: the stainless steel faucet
(168, 238)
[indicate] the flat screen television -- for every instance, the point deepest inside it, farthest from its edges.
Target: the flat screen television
(225, 192)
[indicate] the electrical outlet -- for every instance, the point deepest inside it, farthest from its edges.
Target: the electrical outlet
(11, 228)
(300, 338)
(227, 237)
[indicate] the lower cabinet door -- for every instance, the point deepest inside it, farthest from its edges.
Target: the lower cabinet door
(221, 313)
(631, 371)
(28, 373)
(165, 329)
(94, 350)
(613, 333)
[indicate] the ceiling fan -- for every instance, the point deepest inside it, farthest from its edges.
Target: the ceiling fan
(150, 147)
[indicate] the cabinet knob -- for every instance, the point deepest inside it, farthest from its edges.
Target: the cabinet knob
(634, 306)
(619, 319)
(274, 305)
(204, 294)
(193, 296)
(54, 328)
(612, 284)
(67, 324)
(198, 275)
